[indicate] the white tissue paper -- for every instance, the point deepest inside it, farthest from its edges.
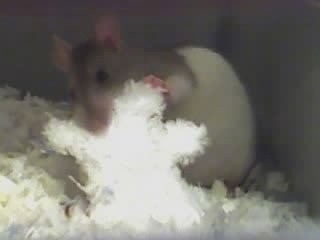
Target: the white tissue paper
(133, 183)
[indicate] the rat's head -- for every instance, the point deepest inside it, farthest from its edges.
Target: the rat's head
(92, 67)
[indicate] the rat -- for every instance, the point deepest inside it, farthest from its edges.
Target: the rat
(197, 83)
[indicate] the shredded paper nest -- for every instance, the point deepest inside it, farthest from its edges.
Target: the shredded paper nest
(133, 183)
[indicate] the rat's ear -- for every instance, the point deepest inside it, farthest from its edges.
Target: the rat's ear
(61, 54)
(107, 32)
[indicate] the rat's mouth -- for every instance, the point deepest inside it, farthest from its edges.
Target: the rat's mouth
(97, 126)
(98, 120)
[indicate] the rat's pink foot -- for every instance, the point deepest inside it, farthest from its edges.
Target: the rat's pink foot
(156, 83)
(159, 84)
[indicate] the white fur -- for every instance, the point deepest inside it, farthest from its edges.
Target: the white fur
(139, 181)
(221, 103)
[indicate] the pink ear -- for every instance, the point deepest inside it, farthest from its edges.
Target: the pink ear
(61, 53)
(107, 32)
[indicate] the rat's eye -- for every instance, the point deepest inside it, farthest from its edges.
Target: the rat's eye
(102, 76)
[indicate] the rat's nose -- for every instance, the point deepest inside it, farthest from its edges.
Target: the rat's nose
(97, 120)
(97, 124)
(98, 114)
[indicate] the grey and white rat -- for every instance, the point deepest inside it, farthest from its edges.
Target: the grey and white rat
(198, 84)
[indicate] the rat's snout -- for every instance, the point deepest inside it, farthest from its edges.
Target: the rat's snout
(96, 116)
(96, 124)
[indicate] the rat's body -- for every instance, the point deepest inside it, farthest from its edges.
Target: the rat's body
(202, 88)
(220, 102)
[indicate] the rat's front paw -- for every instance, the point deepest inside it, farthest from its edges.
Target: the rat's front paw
(156, 83)
(160, 85)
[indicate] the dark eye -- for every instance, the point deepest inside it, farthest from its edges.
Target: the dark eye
(102, 76)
